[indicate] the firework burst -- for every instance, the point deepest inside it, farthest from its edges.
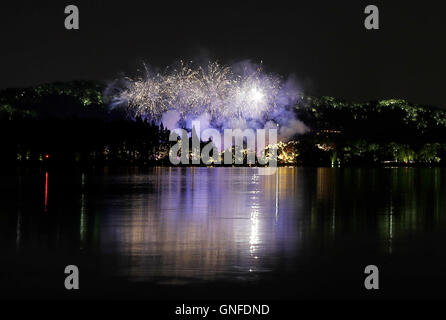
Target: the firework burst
(217, 91)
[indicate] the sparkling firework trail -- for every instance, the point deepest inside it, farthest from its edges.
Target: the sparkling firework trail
(217, 91)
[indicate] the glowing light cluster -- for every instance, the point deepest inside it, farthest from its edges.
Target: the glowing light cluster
(218, 91)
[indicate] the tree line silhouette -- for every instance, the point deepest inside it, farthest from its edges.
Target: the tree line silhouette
(70, 123)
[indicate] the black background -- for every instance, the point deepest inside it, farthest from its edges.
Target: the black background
(323, 44)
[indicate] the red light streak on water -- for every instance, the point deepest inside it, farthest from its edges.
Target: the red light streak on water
(46, 191)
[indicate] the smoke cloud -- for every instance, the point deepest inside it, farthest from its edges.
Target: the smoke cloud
(238, 96)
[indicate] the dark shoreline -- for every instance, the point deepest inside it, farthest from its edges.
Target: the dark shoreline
(94, 166)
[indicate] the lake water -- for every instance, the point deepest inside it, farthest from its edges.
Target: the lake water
(224, 232)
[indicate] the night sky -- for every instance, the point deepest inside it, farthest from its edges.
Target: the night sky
(324, 44)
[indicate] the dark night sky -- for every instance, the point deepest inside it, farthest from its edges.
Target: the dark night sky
(324, 44)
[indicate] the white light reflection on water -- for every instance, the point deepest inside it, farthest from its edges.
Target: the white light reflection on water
(200, 223)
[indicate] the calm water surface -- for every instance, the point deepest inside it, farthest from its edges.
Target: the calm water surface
(205, 232)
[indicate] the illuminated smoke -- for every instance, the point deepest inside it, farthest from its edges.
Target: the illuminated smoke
(237, 97)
